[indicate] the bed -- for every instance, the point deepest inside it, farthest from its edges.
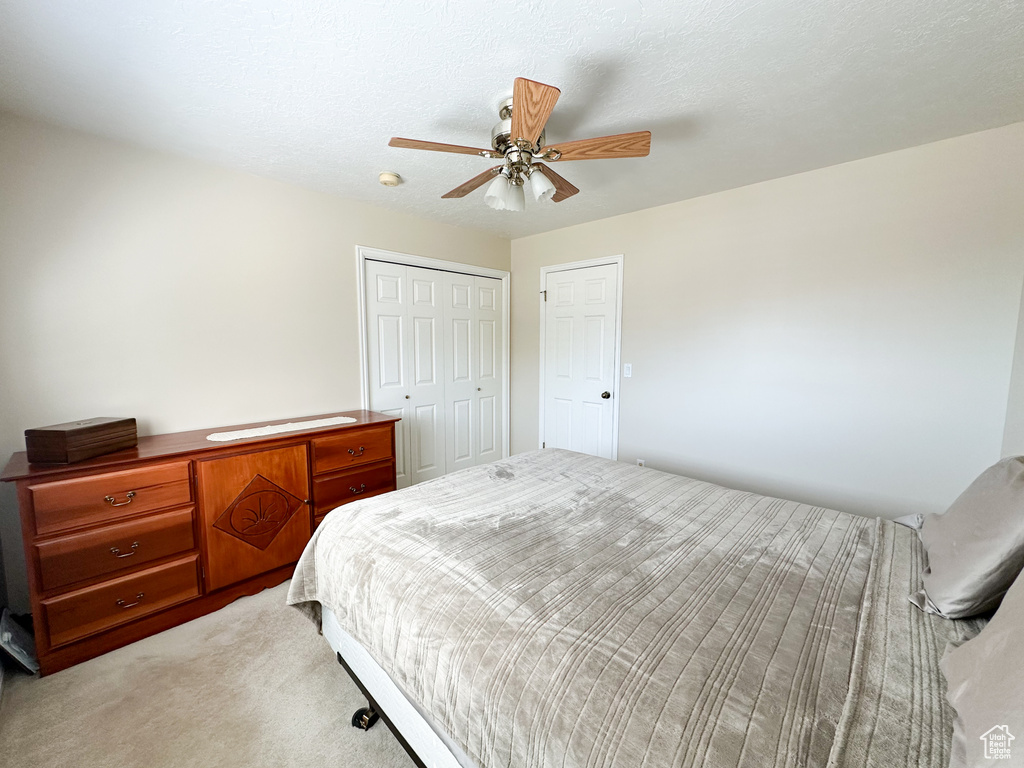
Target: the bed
(557, 609)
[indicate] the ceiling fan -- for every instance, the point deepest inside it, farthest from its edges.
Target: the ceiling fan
(519, 140)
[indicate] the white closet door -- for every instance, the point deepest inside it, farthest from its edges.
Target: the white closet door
(473, 369)
(387, 356)
(427, 380)
(490, 373)
(406, 363)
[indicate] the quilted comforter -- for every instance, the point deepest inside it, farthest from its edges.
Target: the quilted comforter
(556, 609)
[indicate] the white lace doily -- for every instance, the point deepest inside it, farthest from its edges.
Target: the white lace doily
(274, 429)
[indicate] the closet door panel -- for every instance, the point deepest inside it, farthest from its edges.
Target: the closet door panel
(405, 354)
(389, 368)
(460, 371)
(462, 360)
(401, 444)
(489, 419)
(425, 352)
(426, 390)
(489, 340)
(386, 300)
(428, 429)
(461, 416)
(388, 352)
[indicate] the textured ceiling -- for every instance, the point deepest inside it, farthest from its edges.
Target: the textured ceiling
(309, 92)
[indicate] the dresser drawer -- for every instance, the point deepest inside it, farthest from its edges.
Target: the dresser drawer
(335, 490)
(64, 505)
(93, 609)
(80, 556)
(351, 448)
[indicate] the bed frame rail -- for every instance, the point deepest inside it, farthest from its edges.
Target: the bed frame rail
(365, 717)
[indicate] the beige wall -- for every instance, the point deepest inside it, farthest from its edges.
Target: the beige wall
(1013, 435)
(134, 283)
(843, 336)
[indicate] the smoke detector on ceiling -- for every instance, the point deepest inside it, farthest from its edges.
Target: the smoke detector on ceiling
(390, 178)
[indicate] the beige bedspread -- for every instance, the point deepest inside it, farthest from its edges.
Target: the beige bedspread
(555, 609)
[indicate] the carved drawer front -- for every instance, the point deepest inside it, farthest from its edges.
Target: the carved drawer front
(254, 513)
(351, 448)
(93, 609)
(334, 490)
(80, 556)
(65, 505)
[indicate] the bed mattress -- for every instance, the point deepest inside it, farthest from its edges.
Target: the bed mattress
(560, 609)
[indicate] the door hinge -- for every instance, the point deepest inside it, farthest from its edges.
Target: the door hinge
(545, 294)
(543, 445)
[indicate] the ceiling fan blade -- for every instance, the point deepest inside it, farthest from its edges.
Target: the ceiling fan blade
(563, 188)
(435, 147)
(606, 147)
(532, 103)
(477, 181)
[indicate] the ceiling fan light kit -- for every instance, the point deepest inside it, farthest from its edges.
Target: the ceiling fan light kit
(497, 193)
(541, 186)
(516, 200)
(518, 140)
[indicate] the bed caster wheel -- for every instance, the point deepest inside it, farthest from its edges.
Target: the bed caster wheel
(364, 718)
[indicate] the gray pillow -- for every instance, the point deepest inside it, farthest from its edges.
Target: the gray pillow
(985, 685)
(976, 548)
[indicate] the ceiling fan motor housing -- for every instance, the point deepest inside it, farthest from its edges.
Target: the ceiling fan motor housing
(501, 137)
(501, 133)
(517, 164)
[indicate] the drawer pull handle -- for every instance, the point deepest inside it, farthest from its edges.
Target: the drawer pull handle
(114, 503)
(117, 552)
(138, 599)
(360, 489)
(361, 449)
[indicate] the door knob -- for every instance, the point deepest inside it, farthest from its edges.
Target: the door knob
(606, 395)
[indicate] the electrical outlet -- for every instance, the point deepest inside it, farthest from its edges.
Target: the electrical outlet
(627, 370)
(641, 463)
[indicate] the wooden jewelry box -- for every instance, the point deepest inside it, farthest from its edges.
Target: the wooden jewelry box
(79, 440)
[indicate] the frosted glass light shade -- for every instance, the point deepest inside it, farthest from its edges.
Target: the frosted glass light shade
(497, 193)
(541, 186)
(516, 200)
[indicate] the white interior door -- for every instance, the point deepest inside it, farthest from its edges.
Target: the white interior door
(473, 369)
(581, 359)
(406, 363)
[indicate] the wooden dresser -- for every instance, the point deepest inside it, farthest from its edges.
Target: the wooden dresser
(125, 545)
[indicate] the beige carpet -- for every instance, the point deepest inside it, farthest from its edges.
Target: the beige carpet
(253, 684)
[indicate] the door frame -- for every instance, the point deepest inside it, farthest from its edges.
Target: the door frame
(367, 253)
(617, 262)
